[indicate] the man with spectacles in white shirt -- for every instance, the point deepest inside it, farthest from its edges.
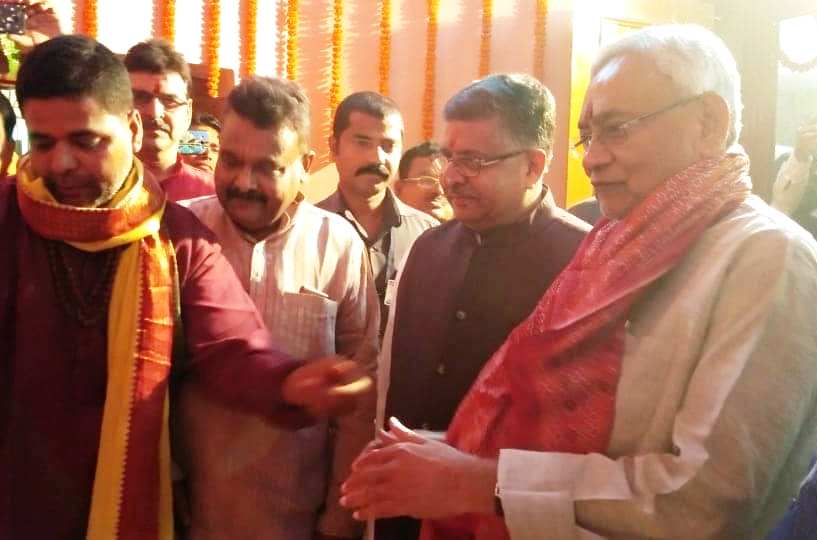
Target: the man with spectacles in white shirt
(419, 184)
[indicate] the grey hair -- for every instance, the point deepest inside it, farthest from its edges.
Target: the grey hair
(694, 58)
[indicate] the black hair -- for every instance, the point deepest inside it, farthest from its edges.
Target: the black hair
(206, 119)
(269, 102)
(157, 56)
(9, 118)
(523, 104)
(74, 67)
(371, 103)
(424, 149)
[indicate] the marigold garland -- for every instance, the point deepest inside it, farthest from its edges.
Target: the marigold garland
(212, 43)
(384, 66)
(281, 43)
(167, 21)
(337, 57)
(485, 38)
(292, 40)
(90, 19)
(539, 32)
(249, 35)
(431, 66)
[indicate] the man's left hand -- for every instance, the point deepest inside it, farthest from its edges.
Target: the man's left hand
(329, 386)
(407, 474)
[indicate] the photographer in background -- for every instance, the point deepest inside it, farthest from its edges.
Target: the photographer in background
(206, 130)
(795, 189)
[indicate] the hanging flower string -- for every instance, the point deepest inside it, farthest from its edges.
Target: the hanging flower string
(485, 38)
(212, 43)
(281, 24)
(384, 66)
(431, 66)
(90, 19)
(249, 37)
(797, 66)
(168, 21)
(292, 40)
(539, 32)
(337, 57)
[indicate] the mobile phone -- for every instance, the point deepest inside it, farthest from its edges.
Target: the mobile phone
(200, 135)
(195, 144)
(12, 18)
(192, 149)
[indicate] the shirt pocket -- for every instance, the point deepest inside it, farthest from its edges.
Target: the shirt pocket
(306, 328)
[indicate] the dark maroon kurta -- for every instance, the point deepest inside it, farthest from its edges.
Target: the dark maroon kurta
(53, 371)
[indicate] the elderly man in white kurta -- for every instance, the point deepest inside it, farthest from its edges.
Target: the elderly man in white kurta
(306, 270)
(666, 384)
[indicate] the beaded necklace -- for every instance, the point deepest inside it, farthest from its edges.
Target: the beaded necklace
(86, 309)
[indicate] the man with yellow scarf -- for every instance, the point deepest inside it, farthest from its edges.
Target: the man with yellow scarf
(98, 274)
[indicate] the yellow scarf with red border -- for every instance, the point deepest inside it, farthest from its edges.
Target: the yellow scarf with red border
(132, 494)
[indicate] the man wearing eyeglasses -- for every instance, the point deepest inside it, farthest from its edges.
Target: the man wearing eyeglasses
(664, 386)
(419, 183)
(467, 283)
(160, 80)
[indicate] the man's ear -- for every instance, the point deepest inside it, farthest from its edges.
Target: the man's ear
(538, 164)
(333, 146)
(716, 121)
(135, 126)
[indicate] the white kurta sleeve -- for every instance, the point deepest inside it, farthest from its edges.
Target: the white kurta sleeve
(747, 411)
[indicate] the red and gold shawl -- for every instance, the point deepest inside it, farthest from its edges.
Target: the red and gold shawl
(552, 384)
(132, 486)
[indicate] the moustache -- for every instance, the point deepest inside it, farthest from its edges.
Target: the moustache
(251, 195)
(457, 192)
(72, 180)
(374, 168)
(155, 124)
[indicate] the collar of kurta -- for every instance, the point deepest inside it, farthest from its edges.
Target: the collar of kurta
(392, 217)
(286, 222)
(392, 214)
(512, 233)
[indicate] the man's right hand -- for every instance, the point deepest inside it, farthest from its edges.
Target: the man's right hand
(330, 386)
(806, 143)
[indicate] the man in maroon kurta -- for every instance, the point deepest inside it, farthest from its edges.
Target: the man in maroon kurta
(54, 319)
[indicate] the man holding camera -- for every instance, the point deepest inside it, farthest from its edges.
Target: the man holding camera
(795, 189)
(205, 134)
